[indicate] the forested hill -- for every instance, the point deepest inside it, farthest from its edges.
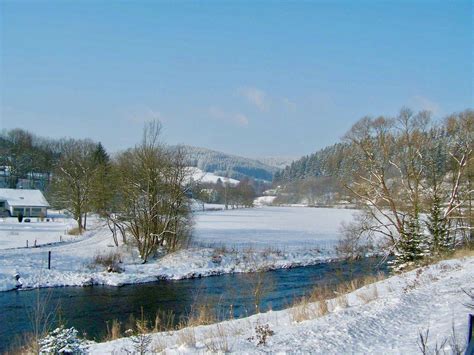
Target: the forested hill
(328, 161)
(229, 165)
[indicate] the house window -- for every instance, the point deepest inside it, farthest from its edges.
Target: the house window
(36, 212)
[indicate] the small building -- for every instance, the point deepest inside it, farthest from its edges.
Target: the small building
(28, 203)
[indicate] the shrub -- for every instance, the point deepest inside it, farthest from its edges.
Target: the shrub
(62, 341)
(74, 231)
(110, 261)
(262, 333)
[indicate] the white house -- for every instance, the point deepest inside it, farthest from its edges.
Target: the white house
(29, 203)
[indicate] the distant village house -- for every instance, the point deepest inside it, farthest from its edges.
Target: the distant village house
(28, 203)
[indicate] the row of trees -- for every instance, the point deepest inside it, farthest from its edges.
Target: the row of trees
(411, 175)
(142, 192)
(26, 156)
(314, 179)
(312, 190)
(326, 162)
(231, 195)
(414, 178)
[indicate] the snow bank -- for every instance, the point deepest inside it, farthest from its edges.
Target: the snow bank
(428, 298)
(8, 281)
(70, 270)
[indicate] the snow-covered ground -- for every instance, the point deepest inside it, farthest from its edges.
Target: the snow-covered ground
(383, 318)
(225, 241)
(286, 228)
(14, 234)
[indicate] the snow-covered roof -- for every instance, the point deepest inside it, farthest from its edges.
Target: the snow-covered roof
(19, 197)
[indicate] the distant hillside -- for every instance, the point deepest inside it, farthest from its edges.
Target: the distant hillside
(226, 164)
(324, 163)
(277, 162)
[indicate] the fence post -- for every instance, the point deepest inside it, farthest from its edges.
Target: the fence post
(49, 260)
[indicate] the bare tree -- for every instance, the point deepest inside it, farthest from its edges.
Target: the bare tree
(405, 167)
(73, 179)
(154, 207)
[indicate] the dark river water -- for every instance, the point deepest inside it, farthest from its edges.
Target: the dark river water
(89, 309)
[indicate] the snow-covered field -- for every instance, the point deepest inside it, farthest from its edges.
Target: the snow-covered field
(268, 237)
(14, 234)
(286, 228)
(383, 318)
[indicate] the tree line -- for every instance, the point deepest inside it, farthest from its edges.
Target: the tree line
(411, 175)
(414, 178)
(24, 155)
(229, 165)
(230, 195)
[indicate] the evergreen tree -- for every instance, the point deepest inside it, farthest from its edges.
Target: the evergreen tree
(102, 181)
(437, 227)
(412, 245)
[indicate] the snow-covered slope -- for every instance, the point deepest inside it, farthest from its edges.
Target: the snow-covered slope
(201, 176)
(384, 318)
(278, 162)
(221, 163)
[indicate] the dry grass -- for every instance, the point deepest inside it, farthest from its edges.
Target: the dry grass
(25, 344)
(201, 314)
(341, 302)
(187, 336)
(158, 346)
(312, 306)
(218, 341)
(164, 321)
(460, 253)
(322, 299)
(114, 330)
(368, 295)
(74, 231)
(305, 310)
(271, 251)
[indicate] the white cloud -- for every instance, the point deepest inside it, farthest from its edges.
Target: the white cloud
(423, 103)
(238, 119)
(255, 96)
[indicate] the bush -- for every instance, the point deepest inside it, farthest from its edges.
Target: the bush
(62, 341)
(262, 332)
(110, 261)
(74, 231)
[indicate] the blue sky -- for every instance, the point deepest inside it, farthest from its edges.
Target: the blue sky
(254, 78)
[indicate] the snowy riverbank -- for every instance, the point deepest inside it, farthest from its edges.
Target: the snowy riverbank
(225, 242)
(386, 317)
